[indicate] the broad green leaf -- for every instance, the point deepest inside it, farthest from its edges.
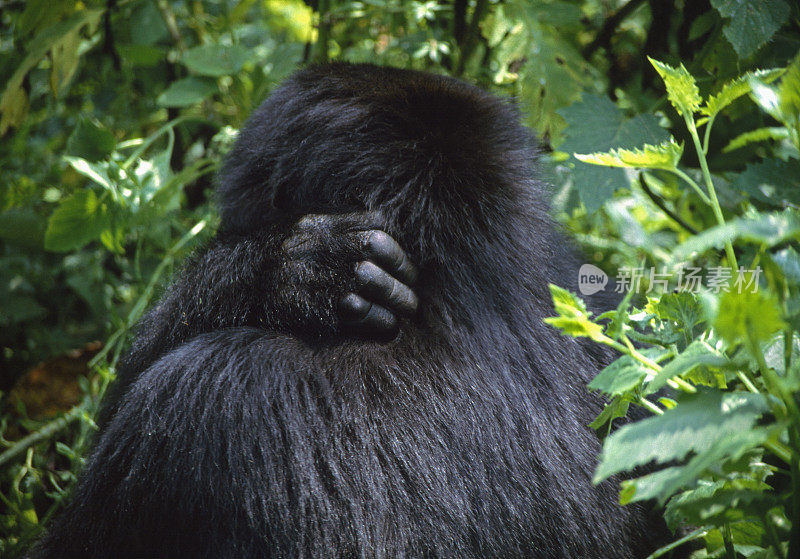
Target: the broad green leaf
(623, 374)
(789, 93)
(720, 502)
(682, 89)
(695, 425)
(186, 92)
(90, 141)
(767, 97)
(766, 229)
(143, 56)
(716, 443)
(698, 354)
(215, 60)
(776, 133)
(735, 89)
(751, 23)
(742, 314)
(663, 156)
(79, 219)
(93, 171)
(771, 181)
(682, 308)
(596, 124)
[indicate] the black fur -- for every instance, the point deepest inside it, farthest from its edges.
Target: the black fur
(246, 425)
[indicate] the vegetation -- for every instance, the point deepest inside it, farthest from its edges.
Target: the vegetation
(679, 174)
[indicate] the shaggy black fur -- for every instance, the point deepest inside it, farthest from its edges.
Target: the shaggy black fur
(248, 425)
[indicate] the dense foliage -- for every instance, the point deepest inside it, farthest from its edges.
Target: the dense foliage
(679, 174)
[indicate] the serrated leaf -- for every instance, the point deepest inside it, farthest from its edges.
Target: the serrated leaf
(698, 354)
(618, 407)
(776, 133)
(740, 315)
(623, 374)
(789, 93)
(695, 425)
(771, 181)
(663, 156)
(767, 229)
(596, 124)
(729, 444)
(78, 220)
(573, 319)
(766, 97)
(681, 87)
(735, 89)
(751, 23)
(719, 503)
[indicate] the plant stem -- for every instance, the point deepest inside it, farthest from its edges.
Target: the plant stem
(694, 185)
(42, 434)
(714, 203)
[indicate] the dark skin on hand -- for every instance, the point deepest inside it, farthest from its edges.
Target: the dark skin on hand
(383, 275)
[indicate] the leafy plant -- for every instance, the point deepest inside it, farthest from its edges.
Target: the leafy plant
(723, 443)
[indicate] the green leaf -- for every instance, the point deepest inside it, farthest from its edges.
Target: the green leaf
(13, 102)
(90, 141)
(766, 97)
(596, 124)
(777, 133)
(682, 308)
(719, 503)
(573, 319)
(717, 443)
(735, 89)
(789, 94)
(695, 425)
(747, 313)
(143, 56)
(215, 60)
(186, 92)
(682, 89)
(751, 23)
(618, 407)
(78, 220)
(771, 181)
(663, 156)
(623, 374)
(698, 354)
(95, 172)
(766, 229)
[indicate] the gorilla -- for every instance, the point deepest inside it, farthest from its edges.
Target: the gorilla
(356, 366)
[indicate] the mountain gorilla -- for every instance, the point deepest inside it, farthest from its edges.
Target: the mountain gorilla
(308, 388)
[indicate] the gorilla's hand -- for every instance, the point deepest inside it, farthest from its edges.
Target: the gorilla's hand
(364, 269)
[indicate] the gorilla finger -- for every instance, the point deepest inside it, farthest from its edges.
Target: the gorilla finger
(383, 249)
(377, 284)
(358, 312)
